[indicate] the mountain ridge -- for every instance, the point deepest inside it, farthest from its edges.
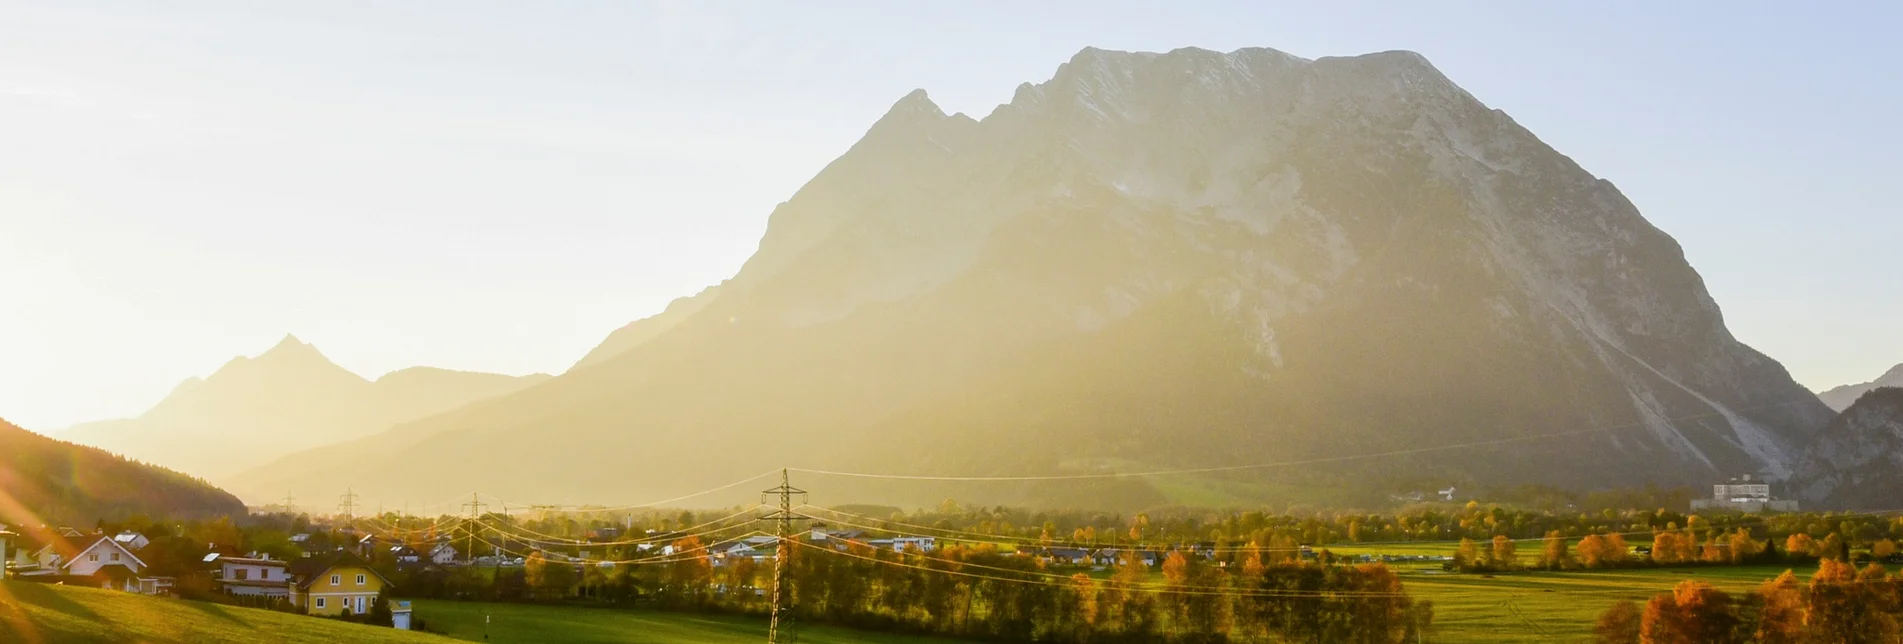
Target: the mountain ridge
(288, 398)
(1841, 397)
(1368, 258)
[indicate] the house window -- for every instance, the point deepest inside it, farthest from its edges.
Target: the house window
(360, 580)
(264, 573)
(336, 580)
(242, 573)
(320, 602)
(93, 557)
(115, 556)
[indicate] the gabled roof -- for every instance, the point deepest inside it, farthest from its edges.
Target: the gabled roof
(310, 569)
(95, 544)
(60, 544)
(249, 561)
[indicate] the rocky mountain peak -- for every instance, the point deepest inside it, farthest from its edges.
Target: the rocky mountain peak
(1176, 259)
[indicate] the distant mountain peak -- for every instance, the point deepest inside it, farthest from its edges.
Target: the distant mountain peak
(914, 108)
(289, 343)
(1841, 397)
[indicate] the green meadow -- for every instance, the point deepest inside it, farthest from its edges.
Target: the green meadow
(582, 625)
(32, 613)
(1509, 607)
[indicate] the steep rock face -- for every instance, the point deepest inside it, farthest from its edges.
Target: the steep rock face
(1181, 260)
(1840, 398)
(287, 399)
(1857, 461)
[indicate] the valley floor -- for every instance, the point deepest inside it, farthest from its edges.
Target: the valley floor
(1508, 607)
(583, 625)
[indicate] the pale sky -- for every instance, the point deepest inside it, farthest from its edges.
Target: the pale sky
(496, 186)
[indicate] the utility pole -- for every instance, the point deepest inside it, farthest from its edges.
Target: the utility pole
(475, 506)
(290, 503)
(347, 502)
(782, 595)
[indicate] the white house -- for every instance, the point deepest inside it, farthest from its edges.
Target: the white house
(132, 540)
(443, 554)
(114, 567)
(254, 576)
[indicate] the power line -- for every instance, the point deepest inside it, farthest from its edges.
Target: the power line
(677, 534)
(663, 558)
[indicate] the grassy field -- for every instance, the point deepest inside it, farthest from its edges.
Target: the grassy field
(1516, 607)
(33, 613)
(1555, 606)
(579, 625)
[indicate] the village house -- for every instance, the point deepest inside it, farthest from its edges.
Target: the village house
(261, 576)
(56, 548)
(22, 558)
(335, 584)
(1111, 557)
(443, 554)
(109, 565)
(132, 540)
(405, 554)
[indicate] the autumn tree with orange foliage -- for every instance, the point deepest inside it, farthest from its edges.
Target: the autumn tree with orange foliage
(1782, 613)
(1851, 606)
(1620, 624)
(1602, 551)
(1693, 613)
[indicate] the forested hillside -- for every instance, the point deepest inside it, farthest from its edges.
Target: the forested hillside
(48, 481)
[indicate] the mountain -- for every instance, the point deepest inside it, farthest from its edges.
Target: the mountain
(1840, 398)
(287, 399)
(644, 329)
(54, 482)
(1857, 460)
(1182, 260)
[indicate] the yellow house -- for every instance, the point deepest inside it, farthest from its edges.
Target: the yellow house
(335, 584)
